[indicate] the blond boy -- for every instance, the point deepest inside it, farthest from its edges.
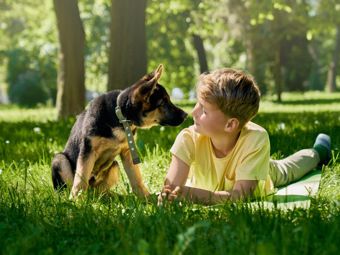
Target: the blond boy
(224, 156)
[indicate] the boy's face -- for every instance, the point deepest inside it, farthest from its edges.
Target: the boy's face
(209, 119)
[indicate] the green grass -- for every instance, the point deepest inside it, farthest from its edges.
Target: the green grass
(36, 220)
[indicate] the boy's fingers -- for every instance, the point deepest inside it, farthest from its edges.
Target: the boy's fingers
(166, 192)
(159, 200)
(177, 190)
(169, 193)
(174, 194)
(166, 187)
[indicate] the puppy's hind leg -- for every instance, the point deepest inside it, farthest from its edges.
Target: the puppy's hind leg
(62, 175)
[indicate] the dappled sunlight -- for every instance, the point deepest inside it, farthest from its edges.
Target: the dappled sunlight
(302, 102)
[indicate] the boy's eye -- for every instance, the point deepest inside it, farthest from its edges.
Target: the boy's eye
(202, 108)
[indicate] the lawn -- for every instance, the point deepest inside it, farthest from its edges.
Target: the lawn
(36, 220)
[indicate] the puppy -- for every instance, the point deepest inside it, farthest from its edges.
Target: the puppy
(99, 135)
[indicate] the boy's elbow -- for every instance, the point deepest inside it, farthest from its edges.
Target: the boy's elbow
(244, 190)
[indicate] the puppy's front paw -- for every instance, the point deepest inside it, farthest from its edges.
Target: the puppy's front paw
(75, 193)
(72, 197)
(141, 191)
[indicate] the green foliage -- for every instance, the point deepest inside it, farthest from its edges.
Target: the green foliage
(29, 50)
(27, 90)
(296, 44)
(245, 34)
(95, 15)
(35, 219)
(167, 38)
(30, 80)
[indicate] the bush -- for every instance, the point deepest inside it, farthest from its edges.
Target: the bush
(31, 77)
(28, 90)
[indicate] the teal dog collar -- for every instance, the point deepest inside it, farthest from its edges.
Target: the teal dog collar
(129, 135)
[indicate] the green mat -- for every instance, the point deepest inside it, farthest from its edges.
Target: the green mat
(295, 195)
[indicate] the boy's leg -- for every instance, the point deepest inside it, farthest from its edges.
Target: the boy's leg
(323, 146)
(292, 168)
(300, 163)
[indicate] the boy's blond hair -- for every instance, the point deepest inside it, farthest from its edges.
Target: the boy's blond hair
(234, 92)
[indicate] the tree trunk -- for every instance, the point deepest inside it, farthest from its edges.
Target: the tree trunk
(278, 74)
(127, 57)
(278, 55)
(332, 71)
(202, 57)
(255, 62)
(71, 75)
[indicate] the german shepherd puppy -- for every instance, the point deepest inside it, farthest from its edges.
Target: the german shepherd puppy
(98, 137)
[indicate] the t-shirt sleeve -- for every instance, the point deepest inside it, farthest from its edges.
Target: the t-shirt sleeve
(254, 164)
(184, 147)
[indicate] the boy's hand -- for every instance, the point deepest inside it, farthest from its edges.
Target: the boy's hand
(168, 193)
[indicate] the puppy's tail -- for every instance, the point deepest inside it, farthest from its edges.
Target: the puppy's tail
(62, 173)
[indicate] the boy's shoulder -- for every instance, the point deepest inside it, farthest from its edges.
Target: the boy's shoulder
(190, 131)
(254, 131)
(252, 137)
(253, 127)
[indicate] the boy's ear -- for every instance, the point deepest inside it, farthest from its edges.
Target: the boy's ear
(147, 88)
(231, 125)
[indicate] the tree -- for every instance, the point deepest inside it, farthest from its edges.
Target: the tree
(326, 28)
(170, 43)
(71, 76)
(332, 71)
(127, 57)
(28, 47)
(197, 11)
(202, 58)
(280, 26)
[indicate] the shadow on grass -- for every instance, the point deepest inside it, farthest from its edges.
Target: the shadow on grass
(308, 101)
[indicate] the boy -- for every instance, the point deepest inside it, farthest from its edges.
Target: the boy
(225, 156)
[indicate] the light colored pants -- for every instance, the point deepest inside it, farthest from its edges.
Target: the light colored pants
(292, 168)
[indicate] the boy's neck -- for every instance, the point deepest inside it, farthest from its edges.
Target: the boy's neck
(222, 146)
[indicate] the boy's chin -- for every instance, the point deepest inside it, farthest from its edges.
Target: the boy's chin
(197, 128)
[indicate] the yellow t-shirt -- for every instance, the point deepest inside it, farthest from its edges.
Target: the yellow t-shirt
(248, 160)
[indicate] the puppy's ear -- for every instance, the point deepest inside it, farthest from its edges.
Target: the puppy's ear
(158, 73)
(147, 88)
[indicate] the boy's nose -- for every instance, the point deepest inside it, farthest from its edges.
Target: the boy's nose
(194, 110)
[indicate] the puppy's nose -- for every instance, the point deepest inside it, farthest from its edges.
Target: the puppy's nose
(184, 115)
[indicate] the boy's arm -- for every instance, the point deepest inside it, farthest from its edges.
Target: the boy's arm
(175, 178)
(174, 186)
(242, 190)
(178, 172)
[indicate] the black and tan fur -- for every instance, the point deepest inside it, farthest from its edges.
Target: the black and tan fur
(97, 137)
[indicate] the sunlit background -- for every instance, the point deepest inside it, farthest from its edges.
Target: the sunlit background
(287, 45)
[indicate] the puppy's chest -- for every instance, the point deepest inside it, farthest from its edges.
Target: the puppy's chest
(110, 147)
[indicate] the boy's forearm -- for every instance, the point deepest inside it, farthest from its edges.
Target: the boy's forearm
(242, 190)
(203, 196)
